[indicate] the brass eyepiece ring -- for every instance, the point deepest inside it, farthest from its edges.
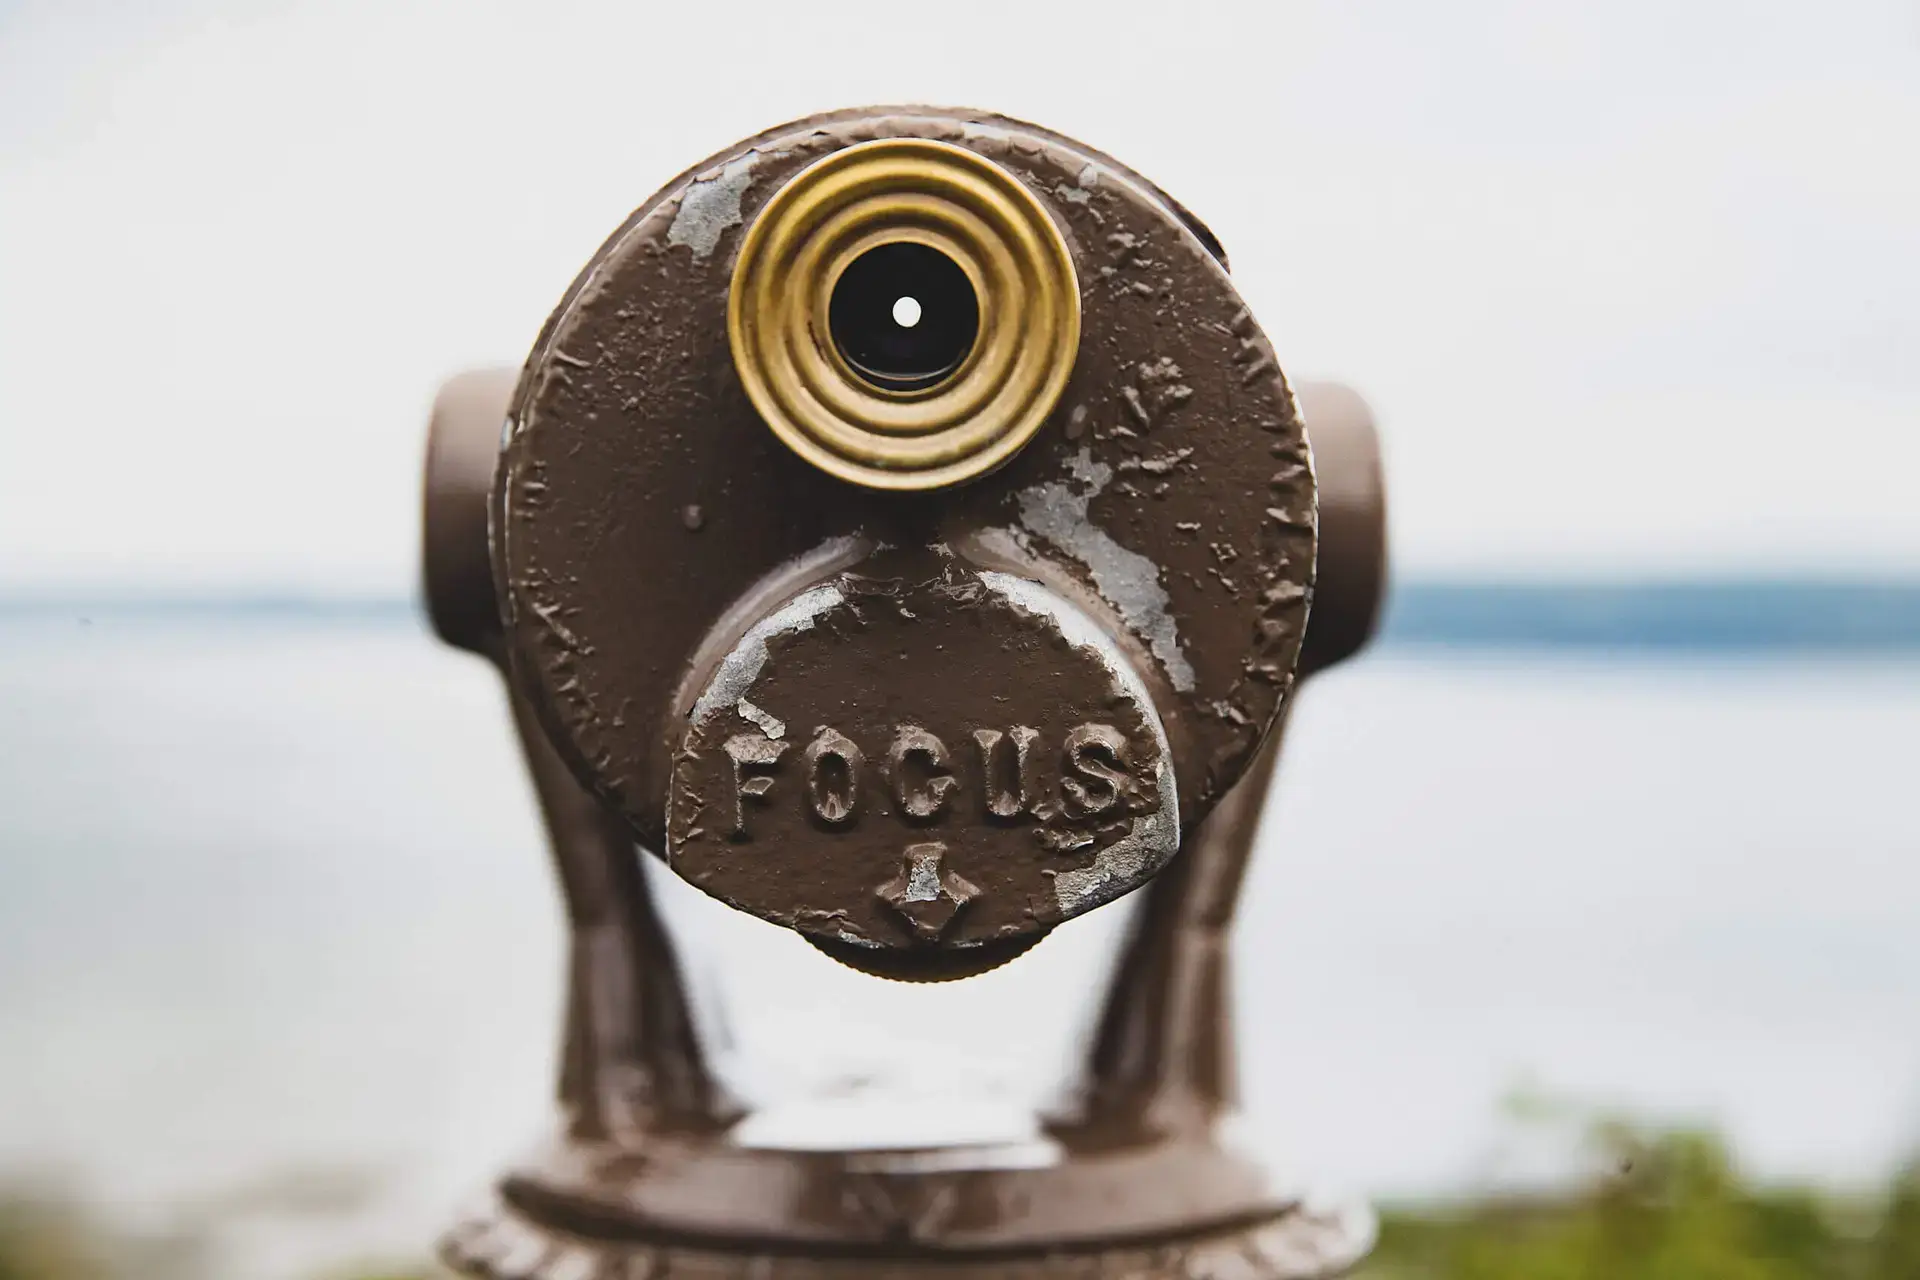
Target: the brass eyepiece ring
(942, 197)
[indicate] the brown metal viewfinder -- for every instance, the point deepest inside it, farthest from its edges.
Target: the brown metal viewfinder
(904, 531)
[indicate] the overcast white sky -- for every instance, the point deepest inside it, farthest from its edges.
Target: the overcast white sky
(1635, 286)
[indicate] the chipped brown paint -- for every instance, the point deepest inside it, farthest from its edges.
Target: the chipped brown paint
(676, 600)
(628, 414)
(898, 681)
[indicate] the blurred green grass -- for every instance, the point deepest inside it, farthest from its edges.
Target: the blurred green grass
(48, 1231)
(1659, 1202)
(1662, 1203)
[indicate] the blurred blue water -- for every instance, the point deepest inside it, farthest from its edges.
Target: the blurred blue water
(1710, 615)
(272, 894)
(1698, 617)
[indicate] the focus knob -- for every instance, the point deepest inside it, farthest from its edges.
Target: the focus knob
(922, 765)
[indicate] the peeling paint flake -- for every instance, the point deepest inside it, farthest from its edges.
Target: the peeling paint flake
(710, 205)
(774, 727)
(923, 879)
(1127, 580)
(1153, 837)
(739, 669)
(1126, 862)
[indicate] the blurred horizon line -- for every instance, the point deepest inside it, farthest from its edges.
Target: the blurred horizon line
(1717, 613)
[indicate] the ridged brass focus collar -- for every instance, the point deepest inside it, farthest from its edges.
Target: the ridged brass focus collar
(949, 199)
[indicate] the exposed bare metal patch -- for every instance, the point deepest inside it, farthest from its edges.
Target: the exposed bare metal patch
(710, 205)
(770, 725)
(1155, 836)
(1127, 580)
(740, 668)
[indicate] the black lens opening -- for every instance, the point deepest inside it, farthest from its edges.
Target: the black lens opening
(866, 314)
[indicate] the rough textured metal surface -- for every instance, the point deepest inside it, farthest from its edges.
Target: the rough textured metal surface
(1172, 486)
(1307, 1243)
(922, 755)
(639, 508)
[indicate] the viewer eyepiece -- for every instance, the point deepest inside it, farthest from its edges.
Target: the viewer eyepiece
(904, 316)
